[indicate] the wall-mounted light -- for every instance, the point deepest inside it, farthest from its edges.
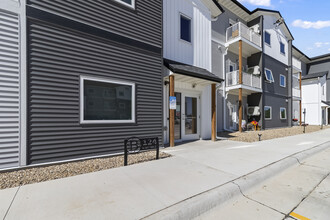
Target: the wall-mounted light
(279, 22)
(194, 85)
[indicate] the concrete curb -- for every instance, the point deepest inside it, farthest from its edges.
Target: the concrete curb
(195, 206)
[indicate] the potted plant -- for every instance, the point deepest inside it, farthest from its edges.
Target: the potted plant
(255, 124)
(295, 122)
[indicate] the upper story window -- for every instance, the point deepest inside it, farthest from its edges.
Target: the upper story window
(282, 81)
(269, 75)
(130, 3)
(282, 48)
(185, 28)
(106, 101)
(267, 38)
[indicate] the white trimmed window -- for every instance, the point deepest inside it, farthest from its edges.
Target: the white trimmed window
(267, 38)
(269, 75)
(282, 81)
(282, 48)
(282, 113)
(185, 28)
(268, 112)
(129, 3)
(104, 101)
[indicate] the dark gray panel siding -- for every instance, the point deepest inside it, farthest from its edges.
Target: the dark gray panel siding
(322, 67)
(217, 60)
(276, 103)
(57, 58)
(277, 68)
(144, 23)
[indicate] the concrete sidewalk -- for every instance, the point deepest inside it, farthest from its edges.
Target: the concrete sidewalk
(198, 177)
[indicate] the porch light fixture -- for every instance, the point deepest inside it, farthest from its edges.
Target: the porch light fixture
(194, 85)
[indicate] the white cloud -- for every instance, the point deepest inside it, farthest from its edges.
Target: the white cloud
(310, 24)
(258, 2)
(321, 44)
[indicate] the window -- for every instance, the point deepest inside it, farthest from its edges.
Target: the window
(185, 28)
(130, 3)
(282, 48)
(282, 113)
(282, 81)
(323, 90)
(267, 38)
(106, 101)
(268, 112)
(269, 75)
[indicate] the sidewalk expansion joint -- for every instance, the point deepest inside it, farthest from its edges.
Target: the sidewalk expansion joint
(257, 201)
(305, 197)
(11, 203)
(307, 165)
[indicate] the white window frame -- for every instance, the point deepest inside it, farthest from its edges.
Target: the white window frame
(284, 86)
(270, 38)
(126, 4)
(268, 80)
(82, 104)
(191, 28)
(280, 48)
(271, 113)
(281, 113)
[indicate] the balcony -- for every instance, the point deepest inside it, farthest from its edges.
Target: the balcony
(296, 93)
(251, 39)
(296, 87)
(296, 65)
(251, 83)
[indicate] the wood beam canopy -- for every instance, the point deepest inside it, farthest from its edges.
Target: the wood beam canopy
(172, 112)
(240, 96)
(213, 113)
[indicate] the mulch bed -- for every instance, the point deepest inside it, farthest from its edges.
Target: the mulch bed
(40, 174)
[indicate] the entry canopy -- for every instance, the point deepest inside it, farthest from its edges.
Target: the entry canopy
(191, 71)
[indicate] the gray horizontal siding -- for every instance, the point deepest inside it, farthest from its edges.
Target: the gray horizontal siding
(144, 23)
(57, 57)
(9, 90)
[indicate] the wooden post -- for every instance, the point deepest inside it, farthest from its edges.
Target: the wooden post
(240, 96)
(213, 113)
(300, 105)
(172, 112)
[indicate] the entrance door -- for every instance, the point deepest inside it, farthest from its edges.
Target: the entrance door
(190, 117)
(233, 117)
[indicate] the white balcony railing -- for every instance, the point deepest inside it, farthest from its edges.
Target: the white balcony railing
(295, 86)
(250, 80)
(241, 30)
(296, 93)
(296, 63)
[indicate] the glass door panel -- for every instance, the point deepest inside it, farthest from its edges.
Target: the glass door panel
(190, 115)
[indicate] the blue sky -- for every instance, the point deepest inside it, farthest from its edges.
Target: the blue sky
(308, 21)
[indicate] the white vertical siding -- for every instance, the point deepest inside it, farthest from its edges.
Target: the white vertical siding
(198, 52)
(311, 101)
(9, 89)
(277, 36)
